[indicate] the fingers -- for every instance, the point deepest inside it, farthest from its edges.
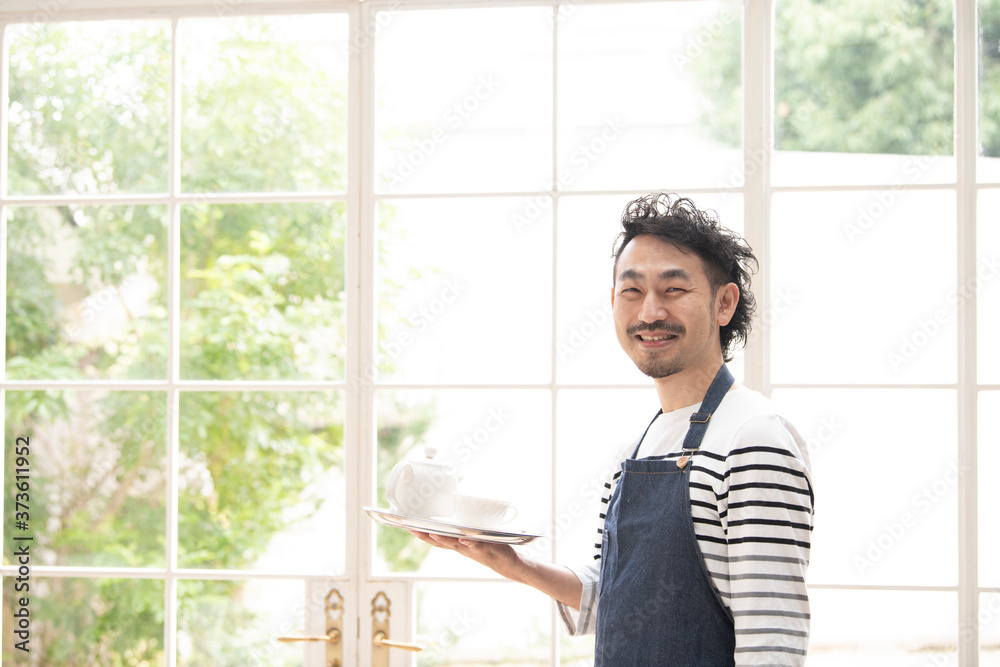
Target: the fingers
(459, 544)
(436, 540)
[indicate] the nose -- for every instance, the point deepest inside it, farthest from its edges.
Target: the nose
(653, 308)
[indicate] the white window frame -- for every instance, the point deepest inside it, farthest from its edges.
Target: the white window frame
(361, 200)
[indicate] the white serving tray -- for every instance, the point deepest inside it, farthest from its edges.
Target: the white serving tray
(441, 527)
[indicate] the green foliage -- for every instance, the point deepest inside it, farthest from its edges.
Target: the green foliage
(860, 77)
(989, 77)
(289, 130)
(264, 286)
(262, 297)
(91, 118)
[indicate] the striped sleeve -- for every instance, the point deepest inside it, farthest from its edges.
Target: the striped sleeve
(583, 622)
(765, 504)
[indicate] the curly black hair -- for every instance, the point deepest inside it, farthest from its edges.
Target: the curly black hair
(727, 257)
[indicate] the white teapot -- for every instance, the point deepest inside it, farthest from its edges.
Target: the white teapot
(422, 487)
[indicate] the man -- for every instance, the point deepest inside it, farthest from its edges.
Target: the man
(706, 534)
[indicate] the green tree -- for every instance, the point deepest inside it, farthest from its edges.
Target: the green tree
(860, 77)
(262, 297)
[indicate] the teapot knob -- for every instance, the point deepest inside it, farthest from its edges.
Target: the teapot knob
(430, 452)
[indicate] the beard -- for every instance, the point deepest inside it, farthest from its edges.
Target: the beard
(653, 366)
(659, 368)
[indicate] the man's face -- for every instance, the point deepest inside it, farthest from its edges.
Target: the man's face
(666, 317)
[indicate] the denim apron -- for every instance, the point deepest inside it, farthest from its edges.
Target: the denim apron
(657, 604)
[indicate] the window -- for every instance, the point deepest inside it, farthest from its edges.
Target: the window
(256, 253)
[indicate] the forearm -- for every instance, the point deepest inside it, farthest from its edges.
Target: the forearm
(556, 581)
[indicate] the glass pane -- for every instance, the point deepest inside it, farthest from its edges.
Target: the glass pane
(96, 476)
(576, 651)
(86, 292)
(84, 622)
(989, 91)
(483, 624)
(989, 492)
(498, 442)
(459, 283)
(264, 103)
(478, 122)
(236, 623)
(986, 286)
(878, 628)
(89, 107)
(587, 350)
(876, 89)
(262, 292)
(683, 61)
(989, 630)
(261, 483)
(841, 257)
(869, 530)
(588, 453)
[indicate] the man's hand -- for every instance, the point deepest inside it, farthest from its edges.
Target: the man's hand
(501, 558)
(554, 580)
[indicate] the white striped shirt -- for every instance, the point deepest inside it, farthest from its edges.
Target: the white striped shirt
(752, 507)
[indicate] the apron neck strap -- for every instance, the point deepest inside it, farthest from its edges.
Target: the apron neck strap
(699, 420)
(713, 397)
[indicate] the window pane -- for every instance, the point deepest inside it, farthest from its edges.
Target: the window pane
(882, 518)
(587, 349)
(97, 478)
(989, 91)
(238, 622)
(86, 292)
(987, 286)
(262, 292)
(878, 628)
(264, 103)
(261, 481)
(84, 622)
(842, 258)
(463, 100)
(638, 81)
(88, 107)
(596, 429)
(989, 630)
(465, 292)
(989, 493)
(878, 87)
(498, 442)
(481, 624)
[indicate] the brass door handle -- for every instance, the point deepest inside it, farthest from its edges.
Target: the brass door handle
(333, 637)
(380, 639)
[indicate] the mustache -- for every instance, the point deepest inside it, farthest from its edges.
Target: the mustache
(666, 327)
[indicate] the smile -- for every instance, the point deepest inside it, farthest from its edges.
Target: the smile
(655, 338)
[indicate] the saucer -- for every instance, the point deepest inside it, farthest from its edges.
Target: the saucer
(447, 528)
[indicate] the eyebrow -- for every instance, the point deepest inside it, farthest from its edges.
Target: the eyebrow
(669, 274)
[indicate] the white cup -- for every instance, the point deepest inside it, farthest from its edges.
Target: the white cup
(481, 512)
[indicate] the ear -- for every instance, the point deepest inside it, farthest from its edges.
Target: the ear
(726, 300)
(612, 297)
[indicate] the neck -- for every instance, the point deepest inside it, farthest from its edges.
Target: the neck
(686, 387)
